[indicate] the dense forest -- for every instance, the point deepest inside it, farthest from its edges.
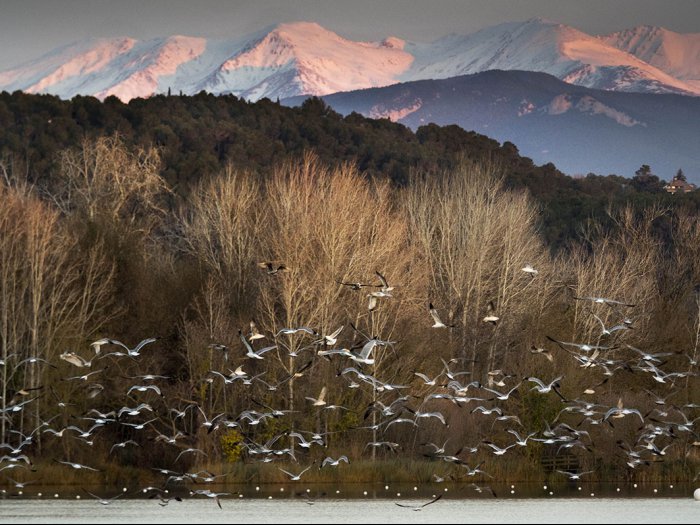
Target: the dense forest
(305, 285)
(200, 135)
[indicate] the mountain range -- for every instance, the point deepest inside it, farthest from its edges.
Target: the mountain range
(603, 104)
(304, 58)
(580, 130)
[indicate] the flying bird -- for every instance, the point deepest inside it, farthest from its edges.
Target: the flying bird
(273, 268)
(491, 316)
(528, 269)
(604, 300)
(103, 501)
(75, 359)
(249, 349)
(254, 333)
(77, 466)
(131, 352)
(144, 388)
(574, 476)
(612, 329)
(296, 477)
(420, 507)
(97, 345)
(209, 494)
(358, 285)
(437, 323)
(219, 348)
(321, 400)
(385, 284)
(333, 462)
(538, 350)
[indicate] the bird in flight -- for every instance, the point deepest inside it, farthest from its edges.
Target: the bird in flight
(491, 316)
(249, 349)
(528, 269)
(103, 501)
(273, 268)
(625, 325)
(333, 462)
(581, 346)
(254, 332)
(437, 323)
(385, 285)
(77, 466)
(574, 476)
(620, 411)
(209, 494)
(358, 285)
(296, 477)
(144, 388)
(130, 352)
(75, 359)
(604, 300)
(85, 376)
(539, 350)
(420, 507)
(321, 401)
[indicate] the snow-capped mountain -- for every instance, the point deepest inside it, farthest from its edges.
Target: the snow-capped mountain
(286, 60)
(545, 46)
(579, 129)
(304, 58)
(674, 53)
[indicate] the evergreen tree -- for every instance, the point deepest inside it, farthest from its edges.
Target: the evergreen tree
(645, 180)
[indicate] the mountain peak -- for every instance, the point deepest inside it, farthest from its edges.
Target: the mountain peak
(293, 30)
(305, 58)
(294, 58)
(677, 54)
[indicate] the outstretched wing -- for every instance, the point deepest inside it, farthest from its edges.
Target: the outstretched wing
(433, 500)
(434, 315)
(382, 280)
(144, 343)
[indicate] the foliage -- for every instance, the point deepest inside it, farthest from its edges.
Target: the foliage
(232, 445)
(199, 136)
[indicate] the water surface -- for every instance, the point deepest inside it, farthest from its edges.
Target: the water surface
(328, 510)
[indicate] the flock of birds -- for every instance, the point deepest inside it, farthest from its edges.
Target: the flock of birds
(424, 404)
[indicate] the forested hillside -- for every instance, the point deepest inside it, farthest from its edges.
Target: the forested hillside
(200, 135)
(293, 274)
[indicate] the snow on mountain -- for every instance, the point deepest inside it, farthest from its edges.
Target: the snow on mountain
(674, 53)
(304, 58)
(144, 71)
(548, 47)
(123, 67)
(65, 64)
(313, 60)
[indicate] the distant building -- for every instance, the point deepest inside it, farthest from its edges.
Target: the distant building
(679, 184)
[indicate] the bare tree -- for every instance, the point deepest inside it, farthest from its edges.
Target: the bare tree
(329, 225)
(104, 179)
(221, 228)
(51, 292)
(476, 237)
(622, 264)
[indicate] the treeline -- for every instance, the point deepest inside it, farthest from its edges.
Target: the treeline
(200, 135)
(105, 247)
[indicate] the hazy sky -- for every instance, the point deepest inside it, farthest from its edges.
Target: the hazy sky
(30, 28)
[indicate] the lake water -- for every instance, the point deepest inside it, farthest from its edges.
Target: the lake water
(583, 509)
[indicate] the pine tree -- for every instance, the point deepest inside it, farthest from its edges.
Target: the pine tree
(645, 180)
